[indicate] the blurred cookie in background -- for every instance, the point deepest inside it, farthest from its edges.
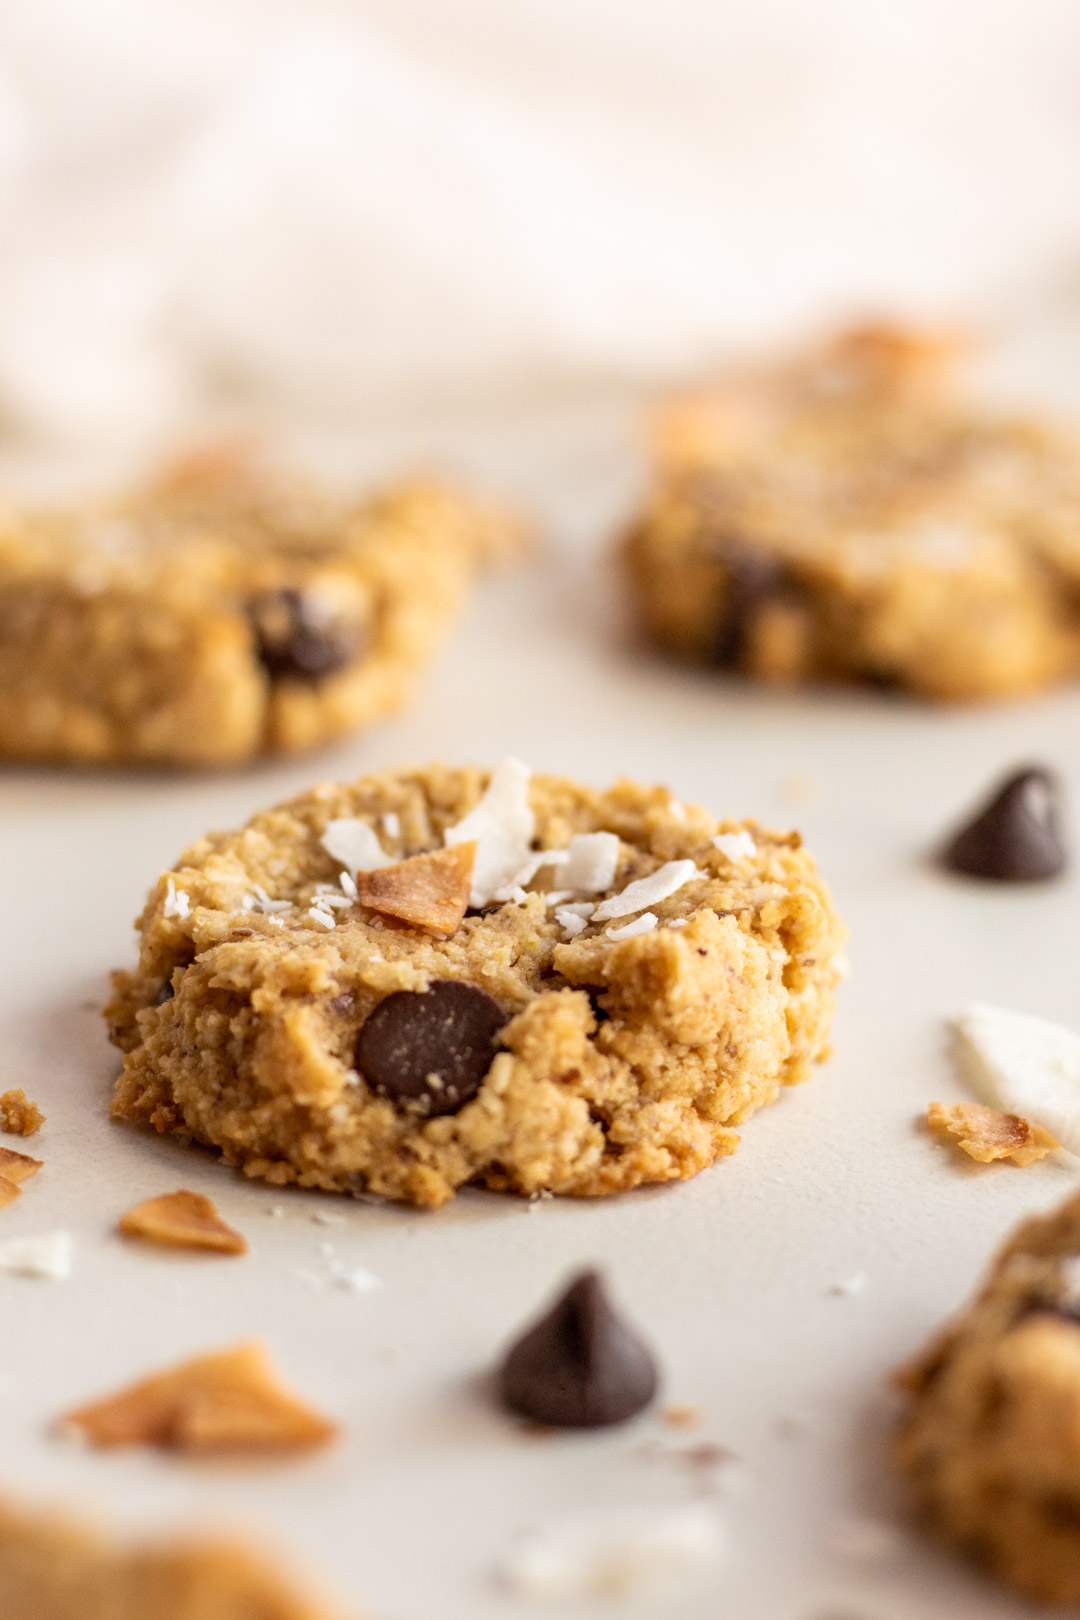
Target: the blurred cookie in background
(225, 612)
(851, 513)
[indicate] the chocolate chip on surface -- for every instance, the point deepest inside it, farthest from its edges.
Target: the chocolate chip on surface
(1014, 838)
(295, 639)
(581, 1366)
(430, 1048)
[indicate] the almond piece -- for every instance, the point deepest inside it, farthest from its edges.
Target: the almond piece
(182, 1220)
(986, 1134)
(18, 1115)
(429, 891)
(17, 1167)
(229, 1400)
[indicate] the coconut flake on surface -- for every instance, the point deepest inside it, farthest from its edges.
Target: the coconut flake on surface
(177, 901)
(391, 824)
(48, 1256)
(1024, 1065)
(502, 826)
(620, 1552)
(737, 846)
(630, 930)
(260, 902)
(591, 862)
(325, 918)
(355, 844)
(647, 891)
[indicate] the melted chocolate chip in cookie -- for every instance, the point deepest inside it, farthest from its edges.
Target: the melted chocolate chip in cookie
(295, 639)
(581, 1366)
(430, 1050)
(1014, 838)
(753, 579)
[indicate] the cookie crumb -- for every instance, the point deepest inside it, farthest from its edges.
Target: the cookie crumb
(986, 1134)
(228, 1400)
(182, 1220)
(18, 1115)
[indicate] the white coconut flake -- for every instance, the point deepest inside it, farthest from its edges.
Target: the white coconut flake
(678, 922)
(48, 1256)
(630, 930)
(259, 901)
(676, 809)
(391, 825)
(571, 924)
(177, 901)
(591, 863)
(348, 885)
(355, 844)
(502, 826)
(647, 891)
(358, 1280)
(738, 846)
(1024, 1065)
(324, 917)
(535, 863)
(331, 897)
(620, 1552)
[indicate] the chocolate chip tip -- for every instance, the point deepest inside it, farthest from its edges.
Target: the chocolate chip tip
(1014, 836)
(581, 1366)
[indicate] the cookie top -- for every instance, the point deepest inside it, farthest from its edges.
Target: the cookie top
(609, 939)
(850, 514)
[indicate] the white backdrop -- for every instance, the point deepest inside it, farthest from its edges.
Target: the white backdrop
(358, 207)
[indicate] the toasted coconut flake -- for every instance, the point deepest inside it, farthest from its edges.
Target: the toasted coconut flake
(18, 1115)
(429, 891)
(17, 1167)
(229, 1400)
(182, 1220)
(987, 1134)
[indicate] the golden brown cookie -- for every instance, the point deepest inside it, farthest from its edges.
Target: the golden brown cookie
(56, 1568)
(208, 622)
(850, 514)
(630, 979)
(990, 1441)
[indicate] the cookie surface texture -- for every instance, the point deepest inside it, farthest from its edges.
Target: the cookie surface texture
(315, 1040)
(991, 1438)
(208, 626)
(850, 515)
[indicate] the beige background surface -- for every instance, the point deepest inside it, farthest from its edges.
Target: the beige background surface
(729, 1275)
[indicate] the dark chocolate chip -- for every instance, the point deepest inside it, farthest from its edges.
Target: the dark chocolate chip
(594, 992)
(430, 1049)
(165, 994)
(752, 580)
(581, 1366)
(1014, 838)
(293, 640)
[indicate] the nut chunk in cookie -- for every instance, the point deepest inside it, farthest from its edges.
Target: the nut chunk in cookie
(434, 977)
(850, 513)
(208, 622)
(991, 1437)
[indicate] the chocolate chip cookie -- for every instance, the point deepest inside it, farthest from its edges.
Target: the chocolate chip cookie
(850, 514)
(207, 621)
(434, 977)
(991, 1438)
